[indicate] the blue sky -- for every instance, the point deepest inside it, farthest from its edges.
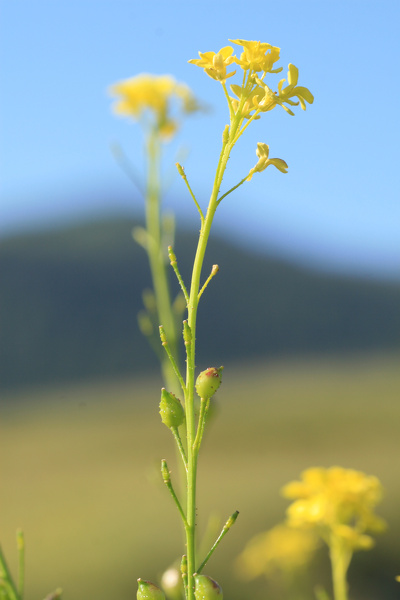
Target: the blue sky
(339, 205)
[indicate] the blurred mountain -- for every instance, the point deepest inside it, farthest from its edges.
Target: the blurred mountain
(70, 298)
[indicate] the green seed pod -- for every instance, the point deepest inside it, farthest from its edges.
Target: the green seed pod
(149, 591)
(208, 382)
(171, 410)
(206, 588)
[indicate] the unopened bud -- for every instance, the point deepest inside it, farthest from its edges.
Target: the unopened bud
(171, 410)
(206, 588)
(149, 591)
(208, 382)
(171, 256)
(187, 333)
(180, 170)
(165, 471)
(225, 134)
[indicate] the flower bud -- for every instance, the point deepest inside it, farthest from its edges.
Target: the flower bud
(208, 382)
(149, 591)
(171, 410)
(206, 588)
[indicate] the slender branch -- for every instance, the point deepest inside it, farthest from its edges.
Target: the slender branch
(174, 265)
(214, 271)
(231, 111)
(167, 480)
(175, 367)
(180, 446)
(183, 175)
(204, 405)
(224, 531)
(232, 189)
(250, 120)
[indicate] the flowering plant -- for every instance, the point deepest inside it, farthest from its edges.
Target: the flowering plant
(333, 505)
(249, 100)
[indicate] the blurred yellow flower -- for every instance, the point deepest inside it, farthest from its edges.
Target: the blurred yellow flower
(282, 549)
(337, 502)
(215, 63)
(263, 161)
(257, 56)
(159, 96)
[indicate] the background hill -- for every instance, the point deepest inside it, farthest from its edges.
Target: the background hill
(70, 299)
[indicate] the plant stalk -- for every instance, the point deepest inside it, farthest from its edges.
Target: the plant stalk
(193, 450)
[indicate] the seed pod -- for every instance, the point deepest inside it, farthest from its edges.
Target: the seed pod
(208, 382)
(149, 591)
(171, 410)
(206, 588)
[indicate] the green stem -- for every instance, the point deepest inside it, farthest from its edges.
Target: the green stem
(213, 273)
(224, 531)
(204, 405)
(158, 265)
(233, 189)
(167, 480)
(193, 450)
(340, 558)
(181, 449)
(164, 343)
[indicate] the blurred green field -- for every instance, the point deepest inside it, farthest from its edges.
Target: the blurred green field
(80, 471)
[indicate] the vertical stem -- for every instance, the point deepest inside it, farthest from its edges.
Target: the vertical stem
(340, 560)
(190, 370)
(158, 265)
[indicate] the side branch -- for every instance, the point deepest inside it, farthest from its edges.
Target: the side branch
(224, 531)
(174, 265)
(214, 271)
(183, 175)
(175, 367)
(167, 480)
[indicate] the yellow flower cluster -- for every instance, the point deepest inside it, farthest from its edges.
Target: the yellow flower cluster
(161, 97)
(282, 549)
(337, 503)
(254, 96)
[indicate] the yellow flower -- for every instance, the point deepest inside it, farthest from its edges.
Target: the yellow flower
(257, 56)
(291, 91)
(270, 99)
(264, 162)
(158, 96)
(215, 63)
(338, 502)
(281, 549)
